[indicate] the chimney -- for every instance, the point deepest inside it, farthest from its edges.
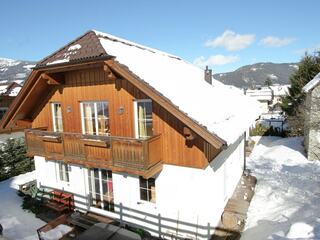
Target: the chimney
(208, 75)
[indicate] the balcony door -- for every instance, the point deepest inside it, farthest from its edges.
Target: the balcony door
(57, 117)
(95, 118)
(101, 189)
(143, 118)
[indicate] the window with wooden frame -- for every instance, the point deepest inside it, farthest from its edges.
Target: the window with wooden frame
(95, 118)
(63, 171)
(57, 117)
(101, 188)
(148, 189)
(143, 118)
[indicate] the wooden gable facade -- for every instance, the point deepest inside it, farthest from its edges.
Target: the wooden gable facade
(176, 139)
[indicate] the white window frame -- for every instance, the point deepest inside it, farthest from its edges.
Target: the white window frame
(100, 186)
(135, 112)
(95, 113)
(54, 116)
(64, 166)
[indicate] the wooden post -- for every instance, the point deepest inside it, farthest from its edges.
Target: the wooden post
(159, 224)
(121, 214)
(209, 235)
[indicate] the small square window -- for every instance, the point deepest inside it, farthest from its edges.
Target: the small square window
(147, 189)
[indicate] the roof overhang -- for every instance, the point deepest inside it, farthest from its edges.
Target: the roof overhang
(36, 81)
(123, 71)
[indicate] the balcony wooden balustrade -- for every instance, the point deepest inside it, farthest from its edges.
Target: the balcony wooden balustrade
(120, 154)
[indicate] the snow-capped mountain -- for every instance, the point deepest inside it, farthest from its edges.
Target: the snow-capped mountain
(257, 74)
(14, 70)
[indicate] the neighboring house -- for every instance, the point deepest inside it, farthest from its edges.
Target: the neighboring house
(8, 92)
(269, 98)
(264, 95)
(312, 118)
(134, 134)
(279, 91)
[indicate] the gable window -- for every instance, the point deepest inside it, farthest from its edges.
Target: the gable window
(95, 118)
(57, 117)
(3, 111)
(63, 172)
(143, 116)
(148, 189)
(101, 188)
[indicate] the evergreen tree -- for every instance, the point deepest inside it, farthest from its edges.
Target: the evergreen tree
(268, 82)
(293, 103)
(13, 159)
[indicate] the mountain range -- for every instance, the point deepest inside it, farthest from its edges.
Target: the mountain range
(256, 74)
(14, 70)
(243, 77)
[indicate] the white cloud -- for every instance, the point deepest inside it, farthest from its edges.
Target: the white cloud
(231, 41)
(309, 50)
(215, 60)
(271, 41)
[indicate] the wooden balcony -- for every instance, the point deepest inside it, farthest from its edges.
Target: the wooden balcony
(120, 154)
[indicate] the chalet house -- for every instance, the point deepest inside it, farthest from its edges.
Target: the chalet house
(312, 116)
(8, 92)
(264, 95)
(134, 134)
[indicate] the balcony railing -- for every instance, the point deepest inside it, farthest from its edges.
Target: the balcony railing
(119, 153)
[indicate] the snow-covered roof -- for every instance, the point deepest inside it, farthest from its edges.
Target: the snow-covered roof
(3, 89)
(261, 94)
(280, 90)
(225, 111)
(14, 92)
(312, 84)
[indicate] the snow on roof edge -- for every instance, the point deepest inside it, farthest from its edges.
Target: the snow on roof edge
(135, 56)
(115, 38)
(312, 84)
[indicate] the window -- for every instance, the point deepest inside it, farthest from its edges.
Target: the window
(101, 189)
(148, 189)
(3, 110)
(95, 118)
(143, 118)
(63, 172)
(57, 117)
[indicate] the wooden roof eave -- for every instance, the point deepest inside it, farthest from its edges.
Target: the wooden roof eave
(123, 71)
(9, 117)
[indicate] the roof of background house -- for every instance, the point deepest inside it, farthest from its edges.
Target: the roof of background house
(9, 89)
(261, 94)
(312, 84)
(222, 109)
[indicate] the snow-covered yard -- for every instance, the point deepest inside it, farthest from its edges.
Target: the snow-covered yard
(17, 223)
(286, 204)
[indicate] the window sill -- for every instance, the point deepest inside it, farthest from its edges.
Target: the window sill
(48, 138)
(95, 142)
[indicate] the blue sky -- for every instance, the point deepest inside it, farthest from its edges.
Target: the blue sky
(223, 34)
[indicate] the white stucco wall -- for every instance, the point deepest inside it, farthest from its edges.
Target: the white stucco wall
(187, 199)
(47, 176)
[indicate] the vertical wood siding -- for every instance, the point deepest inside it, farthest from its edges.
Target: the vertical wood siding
(93, 85)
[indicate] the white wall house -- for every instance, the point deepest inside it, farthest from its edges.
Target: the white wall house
(188, 203)
(183, 199)
(263, 95)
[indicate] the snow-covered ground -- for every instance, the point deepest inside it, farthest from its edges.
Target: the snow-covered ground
(286, 204)
(17, 223)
